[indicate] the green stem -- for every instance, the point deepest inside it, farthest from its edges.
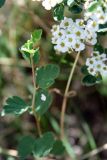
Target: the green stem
(66, 96)
(33, 99)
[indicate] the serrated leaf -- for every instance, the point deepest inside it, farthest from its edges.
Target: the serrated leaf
(42, 101)
(89, 80)
(25, 146)
(14, 105)
(2, 3)
(58, 148)
(58, 12)
(46, 75)
(43, 145)
(36, 35)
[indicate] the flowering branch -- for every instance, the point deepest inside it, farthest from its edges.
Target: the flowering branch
(66, 95)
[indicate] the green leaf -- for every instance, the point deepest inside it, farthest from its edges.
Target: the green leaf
(46, 75)
(25, 146)
(43, 145)
(2, 3)
(93, 5)
(42, 102)
(84, 70)
(58, 148)
(27, 47)
(89, 80)
(75, 9)
(36, 35)
(36, 56)
(58, 12)
(14, 105)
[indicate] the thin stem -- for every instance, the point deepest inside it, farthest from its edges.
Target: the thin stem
(33, 99)
(65, 95)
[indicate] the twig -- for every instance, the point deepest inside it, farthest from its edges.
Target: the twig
(10, 152)
(94, 152)
(33, 99)
(66, 96)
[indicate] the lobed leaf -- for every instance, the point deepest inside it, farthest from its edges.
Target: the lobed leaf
(25, 146)
(14, 105)
(58, 148)
(46, 75)
(42, 102)
(43, 145)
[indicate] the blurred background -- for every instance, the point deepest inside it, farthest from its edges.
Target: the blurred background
(86, 117)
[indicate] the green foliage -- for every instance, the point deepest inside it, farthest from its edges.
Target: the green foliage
(93, 5)
(42, 102)
(36, 35)
(14, 105)
(25, 146)
(46, 75)
(43, 145)
(75, 9)
(89, 80)
(58, 12)
(2, 3)
(28, 49)
(84, 70)
(58, 148)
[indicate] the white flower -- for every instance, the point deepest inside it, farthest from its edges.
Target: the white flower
(70, 40)
(79, 46)
(80, 23)
(99, 15)
(66, 23)
(92, 25)
(79, 32)
(96, 64)
(48, 4)
(61, 47)
(72, 35)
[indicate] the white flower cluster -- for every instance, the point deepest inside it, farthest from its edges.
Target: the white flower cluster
(97, 64)
(70, 35)
(48, 4)
(99, 15)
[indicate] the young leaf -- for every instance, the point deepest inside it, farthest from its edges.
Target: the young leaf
(46, 75)
(25, 146)
(14, 105)
(2, 3)
(43, 145)
(36, 35)
(58, 148)
(42, 102)
(89, 80)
